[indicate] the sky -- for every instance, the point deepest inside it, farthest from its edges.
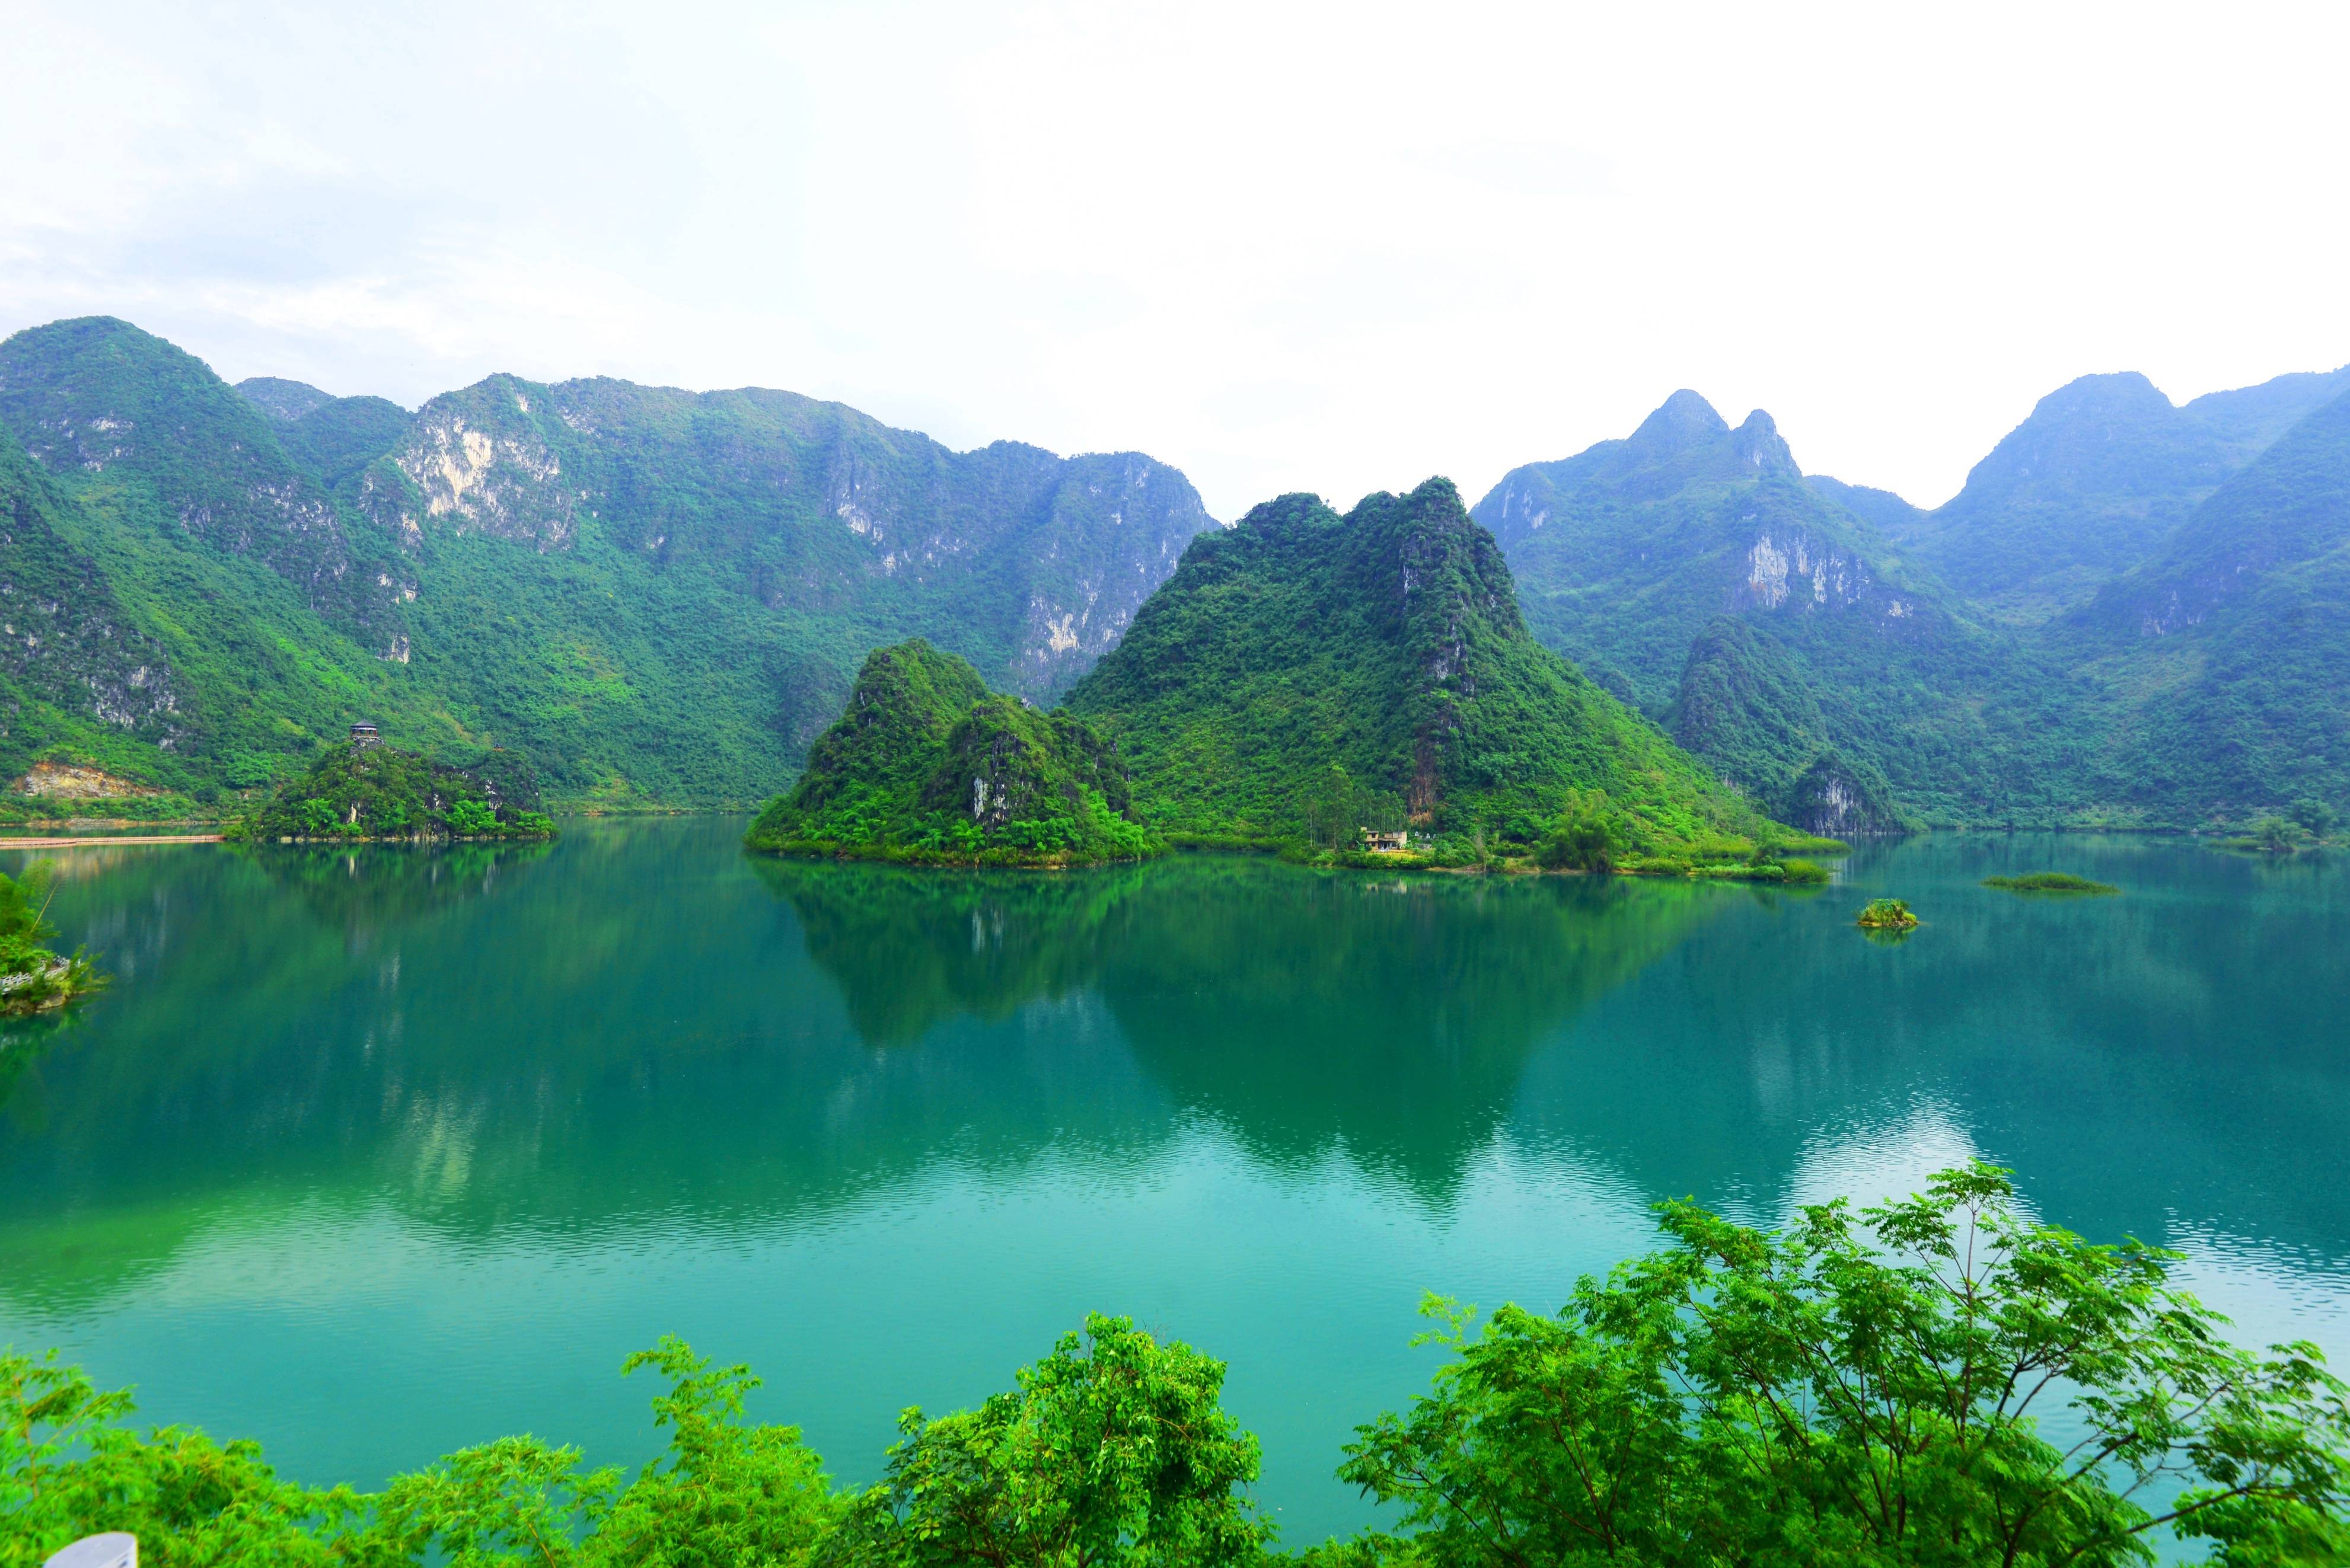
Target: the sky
(1334, 248)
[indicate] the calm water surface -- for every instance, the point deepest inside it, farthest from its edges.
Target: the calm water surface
(374, 1156)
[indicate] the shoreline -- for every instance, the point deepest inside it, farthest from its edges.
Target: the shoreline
(87, 841)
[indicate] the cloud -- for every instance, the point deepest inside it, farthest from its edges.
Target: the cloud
(1284, 246)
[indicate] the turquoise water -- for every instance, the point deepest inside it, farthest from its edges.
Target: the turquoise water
(373, 1156)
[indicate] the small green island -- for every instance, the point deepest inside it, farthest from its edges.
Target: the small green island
(368, 792)
(929, 767)
(1886, 915)
(2048, 882)
(33, 978)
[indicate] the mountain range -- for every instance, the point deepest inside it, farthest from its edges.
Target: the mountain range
(2130, 615)
(657, 594)
(2135, 613)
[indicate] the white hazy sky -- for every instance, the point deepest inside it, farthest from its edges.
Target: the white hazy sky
(1324, 247)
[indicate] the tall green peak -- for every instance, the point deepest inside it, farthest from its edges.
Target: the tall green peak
(927, 765)
(1631, 568)
(1385, 646)
(1682, 420)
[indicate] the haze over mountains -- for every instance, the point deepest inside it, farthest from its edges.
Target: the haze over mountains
(2135, 613)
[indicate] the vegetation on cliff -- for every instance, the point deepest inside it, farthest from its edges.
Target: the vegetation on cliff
(1858, 1387)
(928, 766)
(33, 978)
(354, 795)
(1305, 675)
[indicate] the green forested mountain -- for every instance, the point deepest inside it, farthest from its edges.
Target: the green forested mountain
(2226, 654)
(1385, 644)
(2091, 483)
(927, 765)
(655, 593)
(2130, 615)
(74, 672)
(1692, 570)
(2135, 614)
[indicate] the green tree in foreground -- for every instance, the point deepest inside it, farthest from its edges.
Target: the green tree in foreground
(1869, 1391)
(1119, 1453)
(1863, 1389)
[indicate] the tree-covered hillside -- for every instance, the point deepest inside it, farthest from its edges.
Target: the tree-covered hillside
(2228, 654)
(1384, 648)
(656, 593)
(74, 671)
(1632, 556)
(2092, 483)
(927, 765)
(1799, 634)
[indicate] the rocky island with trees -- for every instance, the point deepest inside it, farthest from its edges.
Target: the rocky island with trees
(370, 792)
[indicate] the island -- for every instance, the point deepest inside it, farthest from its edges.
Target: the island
(2048, 882)
(368, 792)
(928, 766)
(32, 978)
(1886, 915)
(1347, 691)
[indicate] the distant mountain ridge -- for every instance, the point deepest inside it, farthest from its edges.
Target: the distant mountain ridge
(2089, 484)
(2130, 615)
(659, 595)
(1637, 558)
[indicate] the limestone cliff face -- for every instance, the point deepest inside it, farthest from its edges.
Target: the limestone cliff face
(1839, 799)
(479, 462)
(1029, 563)
(74, 781)
(1688, 517)
(1114, 528)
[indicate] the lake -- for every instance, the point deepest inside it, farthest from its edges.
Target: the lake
(373, 1155)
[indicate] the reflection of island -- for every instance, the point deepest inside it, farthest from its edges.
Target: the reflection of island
(1305, 1010)
(1392, 1017)
(365, 886)
(910, 949)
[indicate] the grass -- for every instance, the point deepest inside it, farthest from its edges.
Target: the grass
(2049, 882)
